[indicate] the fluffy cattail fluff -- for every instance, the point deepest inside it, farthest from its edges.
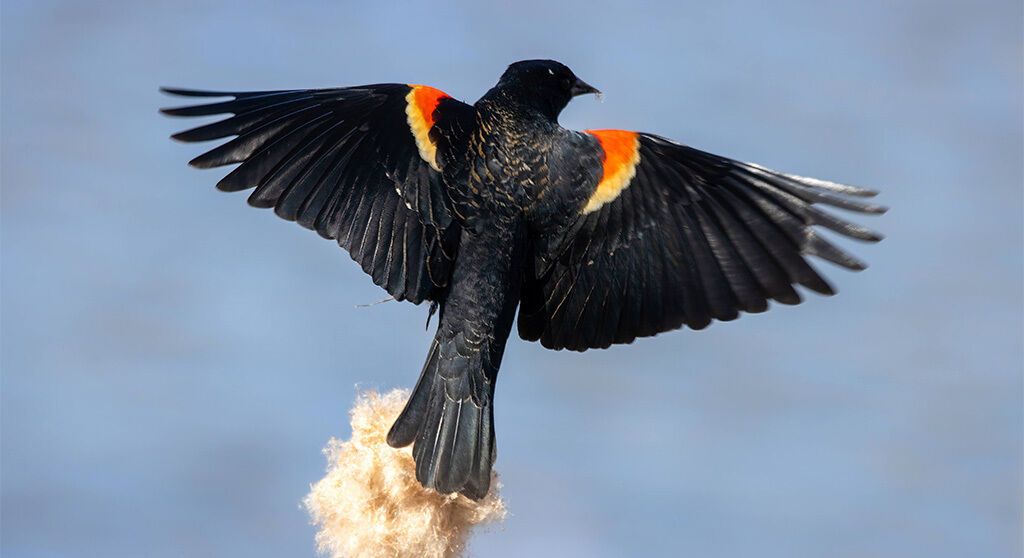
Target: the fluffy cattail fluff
(370, 505)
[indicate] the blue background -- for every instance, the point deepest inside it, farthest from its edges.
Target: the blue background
(173, 360)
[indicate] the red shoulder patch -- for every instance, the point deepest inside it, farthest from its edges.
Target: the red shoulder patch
(621, 156)
(421, 102)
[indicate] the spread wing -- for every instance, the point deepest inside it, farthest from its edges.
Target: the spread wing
(669, 236)
(358, 165)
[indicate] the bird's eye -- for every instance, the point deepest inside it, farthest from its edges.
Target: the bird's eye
(566, 83)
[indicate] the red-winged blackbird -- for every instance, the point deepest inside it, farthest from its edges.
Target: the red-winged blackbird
(597, 237)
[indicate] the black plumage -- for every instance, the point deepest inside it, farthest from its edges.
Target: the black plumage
(595, 238)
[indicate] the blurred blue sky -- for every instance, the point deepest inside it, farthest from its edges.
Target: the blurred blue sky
(173, 361)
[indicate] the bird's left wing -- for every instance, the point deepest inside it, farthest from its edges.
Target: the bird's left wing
(358, 165)
(667, 235)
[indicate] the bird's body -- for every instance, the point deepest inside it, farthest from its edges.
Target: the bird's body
(595, 238)
(503, 158)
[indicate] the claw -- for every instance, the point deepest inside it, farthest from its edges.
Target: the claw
(431, 312)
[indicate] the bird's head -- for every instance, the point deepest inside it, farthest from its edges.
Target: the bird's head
(544, 85)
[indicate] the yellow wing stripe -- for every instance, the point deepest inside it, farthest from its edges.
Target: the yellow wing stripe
(420, 104)
(621, 156)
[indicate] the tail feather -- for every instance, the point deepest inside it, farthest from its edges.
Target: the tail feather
(452, 426)
(407, 426)
(480, 474)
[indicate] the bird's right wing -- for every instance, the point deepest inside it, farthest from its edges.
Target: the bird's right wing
(667, 235)
(359, 165)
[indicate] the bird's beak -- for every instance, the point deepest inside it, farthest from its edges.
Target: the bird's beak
(582, 88)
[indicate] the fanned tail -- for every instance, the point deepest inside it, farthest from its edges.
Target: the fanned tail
(451, 420)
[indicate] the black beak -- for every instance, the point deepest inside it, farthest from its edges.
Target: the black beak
(582, 88)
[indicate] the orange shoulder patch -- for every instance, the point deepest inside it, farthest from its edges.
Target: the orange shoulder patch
(621, 156)
(420, 104)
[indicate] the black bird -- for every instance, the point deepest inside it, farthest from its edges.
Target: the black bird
(597, 237)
